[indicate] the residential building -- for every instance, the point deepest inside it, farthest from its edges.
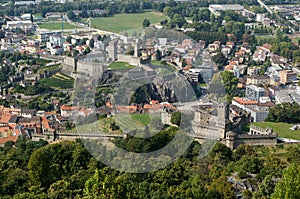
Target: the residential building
(258, 79)
(287, 76)
(254, 92)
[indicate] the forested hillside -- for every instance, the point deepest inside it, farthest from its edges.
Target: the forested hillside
(66, 170)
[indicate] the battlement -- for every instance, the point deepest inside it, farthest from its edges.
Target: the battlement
(255, 130)
(258, 136)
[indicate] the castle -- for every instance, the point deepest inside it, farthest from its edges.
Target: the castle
(214, 121)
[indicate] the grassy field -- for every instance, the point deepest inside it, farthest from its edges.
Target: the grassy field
(126, 121)
(59, 81)
(120, 65)
(42, 61)
(123, 22)
(50, 68)
(56, 26)
(282, 129)
(161, 68)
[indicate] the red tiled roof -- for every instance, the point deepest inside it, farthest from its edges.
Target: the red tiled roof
(244, 101)
(69, 108)
(5, 118)
(267, 46)
(45, 122)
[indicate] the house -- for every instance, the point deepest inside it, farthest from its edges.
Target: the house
(17, 131)
(277, 60)
(287, 76)
(32, 49)
(254, 70)
(28, 113)
(226, 50)
(258, 79)
(254, 92)
(260, 54)
(67, 111)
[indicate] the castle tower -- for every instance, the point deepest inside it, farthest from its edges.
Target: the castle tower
(112, 51)
(136, 48)
(223, 116)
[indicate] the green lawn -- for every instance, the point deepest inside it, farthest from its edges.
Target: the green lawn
(123, 22)
(50, 68)
(120, 65)
(42, 61)
(56, 26)
(282, 129)
(132, 121)
(60, 81)
(141, 119)
(162, 69)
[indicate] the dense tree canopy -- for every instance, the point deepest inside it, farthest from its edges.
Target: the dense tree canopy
(285, 112)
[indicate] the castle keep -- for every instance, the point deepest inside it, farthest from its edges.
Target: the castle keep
(215, 122)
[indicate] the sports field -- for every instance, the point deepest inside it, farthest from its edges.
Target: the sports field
(56, 26)
(123, 22)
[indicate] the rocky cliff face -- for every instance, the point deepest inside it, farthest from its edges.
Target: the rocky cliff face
(169, 88)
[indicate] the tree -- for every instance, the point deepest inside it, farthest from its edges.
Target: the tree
(75, 52)
(71, 15)
(288, 187)
(220, 59)
(158, 55)
(2, 34)
(146, 23)
(176, 118)
(285, 112)
(68, 53)
(100, 185)
(222, 188)
(230, 83)
(87, 50)
(91, 43)
(247, 194)
(179, 20)
(69, 38)
(31, 18)
(220, 154)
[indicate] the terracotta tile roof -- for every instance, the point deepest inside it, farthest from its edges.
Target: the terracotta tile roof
(69, 108)
(10, 138)
(228, 67)
(5, 118)
(45, 123)
(4, 129)
(245, 101)
(50, 113)
(129, 109)
(267, 46)
(109, 105)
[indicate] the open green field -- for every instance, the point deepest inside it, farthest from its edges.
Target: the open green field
(120, 65)
(42, 61)
(50, 68)
(282, 129)
(128, 121)
(59, 81)
(56, 26)
(139, 121)
(162, 68)
(123, 22)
